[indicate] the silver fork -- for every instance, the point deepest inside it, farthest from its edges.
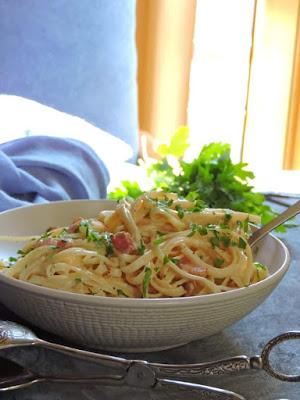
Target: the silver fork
(280, 219)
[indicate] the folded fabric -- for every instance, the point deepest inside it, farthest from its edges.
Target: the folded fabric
(42, 169)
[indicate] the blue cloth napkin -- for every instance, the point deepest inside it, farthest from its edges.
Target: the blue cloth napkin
(41, 169)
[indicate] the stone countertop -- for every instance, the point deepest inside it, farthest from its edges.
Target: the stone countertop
(279, 313)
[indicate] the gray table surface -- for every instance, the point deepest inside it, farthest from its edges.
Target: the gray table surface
(279, 313)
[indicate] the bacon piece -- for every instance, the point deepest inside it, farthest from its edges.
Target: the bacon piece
(63, 244)
(189, 287)
(152, 290)
(123, 242)
(75, 226)
(59, 243)
(146, 239)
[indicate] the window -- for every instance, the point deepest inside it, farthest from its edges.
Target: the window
(236, 80)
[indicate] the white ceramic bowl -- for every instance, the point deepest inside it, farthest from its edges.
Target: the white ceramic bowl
(123, 324)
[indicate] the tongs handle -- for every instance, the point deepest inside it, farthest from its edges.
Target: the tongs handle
(139, 376)
(201, 392)
(230, 365)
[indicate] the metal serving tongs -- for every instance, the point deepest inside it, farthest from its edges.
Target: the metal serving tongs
(139, 373)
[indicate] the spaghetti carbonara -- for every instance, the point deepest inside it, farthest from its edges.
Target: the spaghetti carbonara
(158, 245)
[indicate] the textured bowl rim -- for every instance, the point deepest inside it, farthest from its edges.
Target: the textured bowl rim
(142, 302)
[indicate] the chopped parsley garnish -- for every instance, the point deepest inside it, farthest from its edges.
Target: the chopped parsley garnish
(23, 253)
(180, 211)
(141, 248)
(106, 239)
(86, 227)
(78, 280)
(167, 259)
(90, 233)
(199, 205)
(218, 262)
(202, 230)
(215, 242)
(225, 240)
(46, 234)
(167, 203)
(239, 224)
(11, 262)
(242, 243)
(259, 265)
(121, 293)
(158, 240)
(195, 228)
(227, 217)
(146, 281)
(62, 233)
(99, 238)
(246, 224)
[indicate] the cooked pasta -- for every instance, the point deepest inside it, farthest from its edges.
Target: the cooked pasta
(158, 245)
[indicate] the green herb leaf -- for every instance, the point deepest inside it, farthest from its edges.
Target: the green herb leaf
(246, 225)
(259, 265)
(103, 238)
(146, 281)
(180, 211)
(225, 240)
(242, 243)
(62, 233)
(198, 206)
(141, 248)
(218, 262)
(178, 144)
(215, 242)
(46, 234)
(158, 240)
(211, 178)
(127, 190)
(198, 228)
(23, 253)
(166, 260)
(121, 293)
(227, 217)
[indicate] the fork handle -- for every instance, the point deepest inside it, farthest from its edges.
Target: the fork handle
(280, 219)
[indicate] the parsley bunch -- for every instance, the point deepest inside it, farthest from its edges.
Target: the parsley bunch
(211, 178)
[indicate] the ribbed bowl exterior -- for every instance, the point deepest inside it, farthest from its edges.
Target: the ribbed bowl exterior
(121, 326)
(138, 325)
